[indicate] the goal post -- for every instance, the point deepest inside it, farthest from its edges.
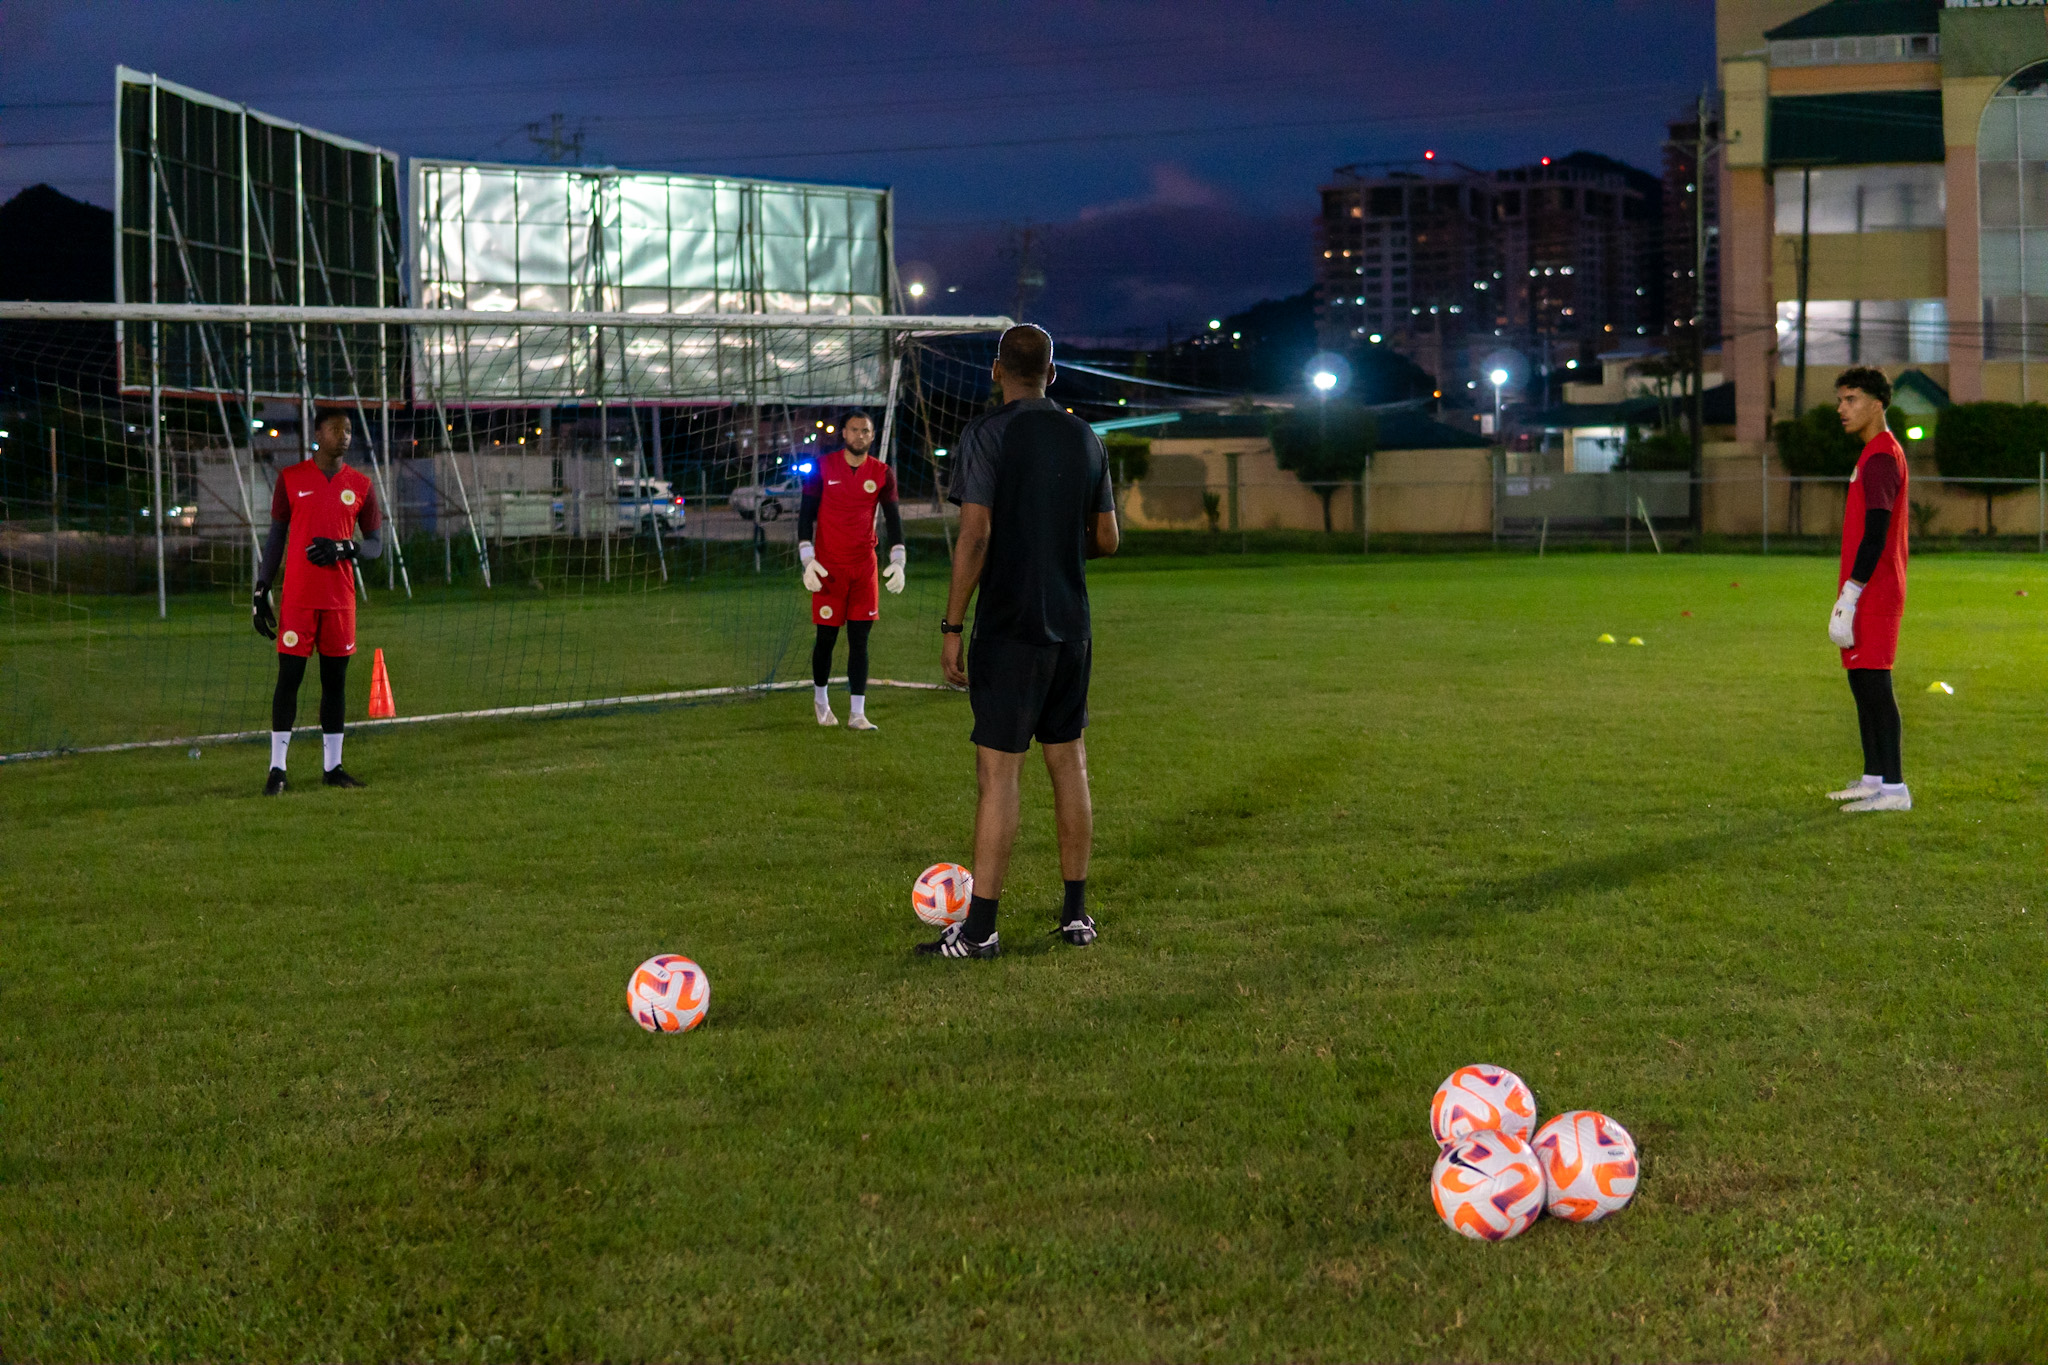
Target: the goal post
(579, 505)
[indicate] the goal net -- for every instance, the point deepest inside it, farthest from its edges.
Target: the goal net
(582, 509)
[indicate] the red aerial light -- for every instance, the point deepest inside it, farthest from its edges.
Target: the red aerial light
(1546, 161)
(1429, 156)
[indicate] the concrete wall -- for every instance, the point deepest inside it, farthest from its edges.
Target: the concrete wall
(1442, 491)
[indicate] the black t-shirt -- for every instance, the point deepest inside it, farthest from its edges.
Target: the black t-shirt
(1044, 476)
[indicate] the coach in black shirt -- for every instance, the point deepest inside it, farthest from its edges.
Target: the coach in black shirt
(1032, 482)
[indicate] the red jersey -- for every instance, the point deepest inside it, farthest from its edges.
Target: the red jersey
(316, 505)
(847, 499)
(1879, 484)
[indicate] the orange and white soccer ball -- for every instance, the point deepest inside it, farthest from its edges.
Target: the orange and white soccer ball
(941, 894)
(1589, 1163)
(668, 994)
(1488, 1186)
(1473, 1099)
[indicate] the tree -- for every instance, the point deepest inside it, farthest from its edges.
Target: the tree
(1325, 446)
(1129, 458)
(1814, 446)
(1669, 449)
(1978, 441)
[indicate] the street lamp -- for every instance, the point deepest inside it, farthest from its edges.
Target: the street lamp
(1324, 381)
(1498, 379)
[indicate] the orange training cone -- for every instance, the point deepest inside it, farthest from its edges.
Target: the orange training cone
(381, 707)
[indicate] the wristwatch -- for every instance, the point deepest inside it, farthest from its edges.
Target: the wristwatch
(947, 628)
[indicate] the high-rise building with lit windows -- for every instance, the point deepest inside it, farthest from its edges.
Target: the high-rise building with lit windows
(1449, 265)
(1884, 197)
(1406, 255)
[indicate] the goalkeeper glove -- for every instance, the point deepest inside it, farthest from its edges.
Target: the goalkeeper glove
(266, 621)
(1842, 621)
(814, 572)
(892, 577)
(328, 553)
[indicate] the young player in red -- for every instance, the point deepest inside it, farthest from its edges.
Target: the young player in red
(316, 510)
(835, 529)
(1865, 621)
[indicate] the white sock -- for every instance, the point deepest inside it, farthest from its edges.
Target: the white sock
(280, 740)
(1894, 788)
(1873, 780)
(821, 696)
(858, 704)
(330, 752)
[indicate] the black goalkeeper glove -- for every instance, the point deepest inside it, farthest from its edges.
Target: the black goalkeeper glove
(328, 553)
(266, 620)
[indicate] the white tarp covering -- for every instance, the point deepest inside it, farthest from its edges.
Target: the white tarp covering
(547, 238)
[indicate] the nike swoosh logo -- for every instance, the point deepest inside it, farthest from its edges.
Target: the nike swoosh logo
(305, 492)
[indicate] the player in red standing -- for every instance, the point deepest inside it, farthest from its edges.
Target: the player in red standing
(835, 529)
(1865, 621)
(316, 509)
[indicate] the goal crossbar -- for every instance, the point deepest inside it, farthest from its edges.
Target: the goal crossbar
(911, 324)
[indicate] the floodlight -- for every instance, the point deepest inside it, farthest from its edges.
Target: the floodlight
(917, 289)
(1499, 377)
(1215, 324)
(1324, 380)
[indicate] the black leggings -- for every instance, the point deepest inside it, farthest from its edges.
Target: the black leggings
(291, 671)
(856, 656)
(1877, 714)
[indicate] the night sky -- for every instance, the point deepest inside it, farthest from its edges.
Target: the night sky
(1166, 151)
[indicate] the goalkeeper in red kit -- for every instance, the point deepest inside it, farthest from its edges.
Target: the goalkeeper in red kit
(1872, 588)
(323, 518)
(835, 529)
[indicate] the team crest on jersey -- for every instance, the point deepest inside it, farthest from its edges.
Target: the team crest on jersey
(825, 612)
(348, 497)
(291, 637)
(868, 487)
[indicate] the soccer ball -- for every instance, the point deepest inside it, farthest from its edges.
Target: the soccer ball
(1488, 1186)
(1589, 1162)
(941, 894)
(668, 994)
(1475, 1098)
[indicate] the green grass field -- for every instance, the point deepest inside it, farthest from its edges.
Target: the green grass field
(349, 1075)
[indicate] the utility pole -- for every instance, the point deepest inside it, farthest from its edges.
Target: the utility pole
(1030, 277)
(557, 144)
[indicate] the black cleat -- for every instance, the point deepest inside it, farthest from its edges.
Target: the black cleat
(1079, 932)
(338, 777)
(953, 943)
(275, 784)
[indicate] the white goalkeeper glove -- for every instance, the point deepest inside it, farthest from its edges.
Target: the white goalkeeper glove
(892, 577)
(814, 572)
(1842, 620)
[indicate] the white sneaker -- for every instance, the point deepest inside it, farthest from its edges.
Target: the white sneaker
(825, 716)
(1884, 800)
(860, 723)
(1861, 789)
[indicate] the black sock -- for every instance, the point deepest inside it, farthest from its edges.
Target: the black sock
(1077, 897)
(981, 919)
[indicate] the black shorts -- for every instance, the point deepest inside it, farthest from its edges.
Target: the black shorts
(1020, 692)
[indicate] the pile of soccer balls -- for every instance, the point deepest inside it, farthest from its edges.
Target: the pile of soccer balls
(1493, 1179)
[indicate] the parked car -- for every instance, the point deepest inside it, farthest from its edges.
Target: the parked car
(768, 501)
(650, 500)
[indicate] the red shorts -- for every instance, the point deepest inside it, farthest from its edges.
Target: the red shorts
(1877, 640)
(299, 629)
(850, 595)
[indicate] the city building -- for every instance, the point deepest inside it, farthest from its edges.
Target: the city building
(1449, 265)
(1578, 241)
(1673, 293)
(1406, 256)
(1883, 200)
